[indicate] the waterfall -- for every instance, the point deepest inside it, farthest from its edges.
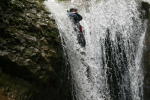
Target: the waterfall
(109, 66)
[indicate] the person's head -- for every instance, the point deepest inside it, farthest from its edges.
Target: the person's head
(73, 10)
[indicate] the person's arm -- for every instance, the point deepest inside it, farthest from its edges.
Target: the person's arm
(72, 16)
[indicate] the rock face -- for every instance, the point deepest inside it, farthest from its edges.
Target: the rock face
(146, 60)
(31, 59)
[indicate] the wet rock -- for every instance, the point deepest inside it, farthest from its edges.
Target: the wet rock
(146, 8)
(31, 58)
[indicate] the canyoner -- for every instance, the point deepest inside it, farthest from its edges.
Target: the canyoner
(76, 18)
(109, 66)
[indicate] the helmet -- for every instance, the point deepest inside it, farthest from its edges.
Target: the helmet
(73, 9)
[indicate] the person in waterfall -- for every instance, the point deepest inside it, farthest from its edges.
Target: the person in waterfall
(76, 18)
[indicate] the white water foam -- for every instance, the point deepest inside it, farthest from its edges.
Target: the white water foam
(109, 67)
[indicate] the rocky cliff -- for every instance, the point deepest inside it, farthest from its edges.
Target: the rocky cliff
(31, 59)
(146, 60)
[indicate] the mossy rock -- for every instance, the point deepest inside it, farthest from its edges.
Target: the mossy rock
(31, 57)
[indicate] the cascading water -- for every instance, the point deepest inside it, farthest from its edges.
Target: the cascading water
(109, 67)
